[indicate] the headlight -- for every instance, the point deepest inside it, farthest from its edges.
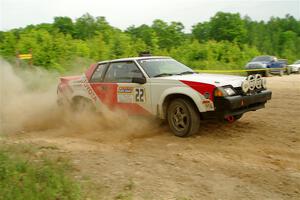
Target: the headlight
(229, 91)
(219, 92)
(224, 91)
(245, 86)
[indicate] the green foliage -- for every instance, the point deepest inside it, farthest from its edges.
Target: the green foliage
(214, 55)
(226, 41)
(34, 179)
(222, 26)
(64, 25)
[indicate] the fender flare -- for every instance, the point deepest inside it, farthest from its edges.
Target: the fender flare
(81, 94)
(187, 91)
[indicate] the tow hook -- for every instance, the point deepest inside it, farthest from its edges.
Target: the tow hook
(230, 119)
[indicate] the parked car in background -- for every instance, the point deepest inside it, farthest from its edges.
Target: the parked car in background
(270, 63)
(287, 69)
(295, 67)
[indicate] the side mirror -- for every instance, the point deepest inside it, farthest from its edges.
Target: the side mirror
(140, 80)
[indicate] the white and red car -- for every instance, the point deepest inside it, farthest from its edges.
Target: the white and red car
(165, 88)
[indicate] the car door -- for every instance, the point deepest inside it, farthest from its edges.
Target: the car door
(118, 88)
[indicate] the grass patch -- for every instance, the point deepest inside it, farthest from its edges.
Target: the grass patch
(25, 174)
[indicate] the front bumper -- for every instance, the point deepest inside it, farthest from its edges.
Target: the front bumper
(236, 105)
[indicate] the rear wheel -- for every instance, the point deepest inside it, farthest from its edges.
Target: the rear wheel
(183, 117)
(80, 104)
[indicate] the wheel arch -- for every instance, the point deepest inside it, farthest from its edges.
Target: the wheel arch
(77, 98)
(185, 93)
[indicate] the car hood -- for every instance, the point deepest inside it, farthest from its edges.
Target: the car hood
(213, 79)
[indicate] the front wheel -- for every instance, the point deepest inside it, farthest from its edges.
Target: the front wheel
(183, 117)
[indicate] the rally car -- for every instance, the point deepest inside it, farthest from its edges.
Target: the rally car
(165, 88)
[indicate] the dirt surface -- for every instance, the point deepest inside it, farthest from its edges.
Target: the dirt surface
(257, 157)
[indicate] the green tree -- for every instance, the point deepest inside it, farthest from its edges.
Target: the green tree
(168, 35)
(227, 26)
(85, 27)
(201, 31)
(64, 25)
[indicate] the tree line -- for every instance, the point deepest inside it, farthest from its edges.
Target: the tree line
(226, 41)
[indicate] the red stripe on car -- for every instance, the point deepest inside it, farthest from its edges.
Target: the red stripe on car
(202, 88)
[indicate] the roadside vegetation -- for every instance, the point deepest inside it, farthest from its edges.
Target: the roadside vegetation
(25, 173)
(226, 41)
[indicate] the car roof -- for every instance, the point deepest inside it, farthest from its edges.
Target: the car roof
(135, 58)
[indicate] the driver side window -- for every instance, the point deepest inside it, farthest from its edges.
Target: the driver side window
(122, 72)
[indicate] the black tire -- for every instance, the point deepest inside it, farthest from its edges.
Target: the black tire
(281, 72)
(288, 70)
(183, 117)
(81, 104)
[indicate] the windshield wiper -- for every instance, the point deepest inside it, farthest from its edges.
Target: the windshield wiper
(186, 72)
(163, 74)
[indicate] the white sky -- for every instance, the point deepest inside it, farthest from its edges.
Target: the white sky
(123, 13)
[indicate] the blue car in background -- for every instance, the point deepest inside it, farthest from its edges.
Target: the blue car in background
(270, 63)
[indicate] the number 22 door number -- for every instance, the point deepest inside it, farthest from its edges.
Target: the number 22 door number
(139, 95)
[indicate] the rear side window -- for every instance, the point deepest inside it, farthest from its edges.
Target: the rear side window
(98, 73)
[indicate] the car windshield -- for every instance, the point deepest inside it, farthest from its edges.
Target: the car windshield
(262, 58)
(156, 67)
(297, 62)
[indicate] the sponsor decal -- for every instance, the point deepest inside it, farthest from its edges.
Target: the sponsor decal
(125, 95)
(131, 95)
(208, 104)
(88, 88)
(125, 90)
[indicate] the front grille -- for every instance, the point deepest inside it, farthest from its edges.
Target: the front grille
(239, 91)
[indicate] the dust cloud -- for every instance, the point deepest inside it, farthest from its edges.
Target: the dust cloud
(28, 104)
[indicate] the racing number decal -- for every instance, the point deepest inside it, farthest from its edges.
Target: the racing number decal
(139, 94)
